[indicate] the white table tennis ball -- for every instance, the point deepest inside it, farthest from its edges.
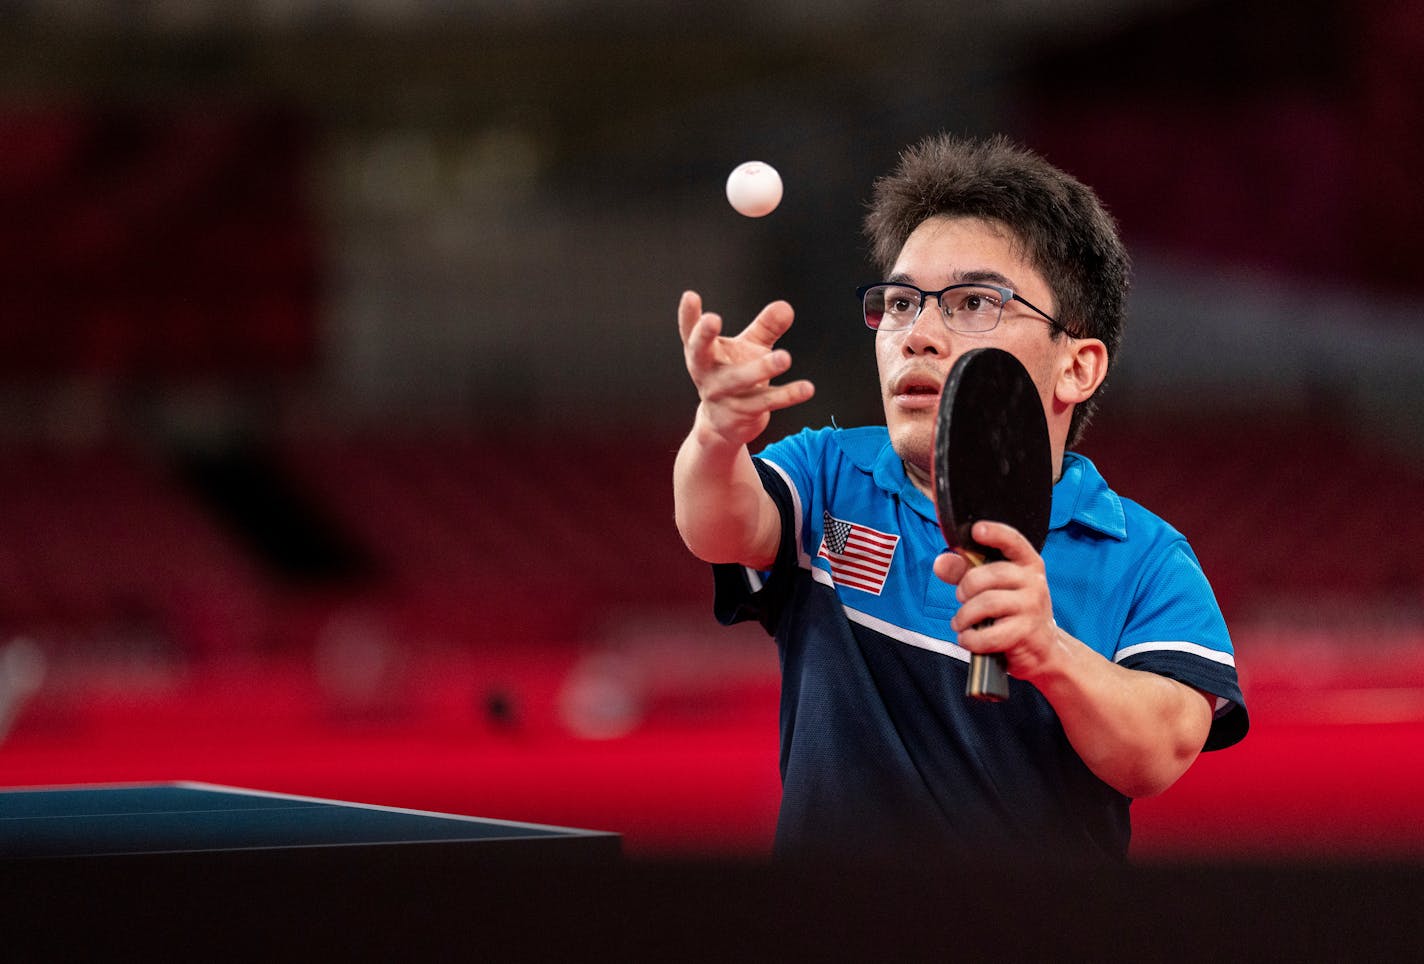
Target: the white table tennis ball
(754, 189)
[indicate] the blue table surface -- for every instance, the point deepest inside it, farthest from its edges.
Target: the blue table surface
(167, 818)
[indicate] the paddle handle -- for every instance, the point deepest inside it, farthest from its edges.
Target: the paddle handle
(988, 672)
(988, 677)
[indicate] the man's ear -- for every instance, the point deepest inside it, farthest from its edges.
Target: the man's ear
(1085, 365)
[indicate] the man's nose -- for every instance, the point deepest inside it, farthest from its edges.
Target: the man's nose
(930, 332)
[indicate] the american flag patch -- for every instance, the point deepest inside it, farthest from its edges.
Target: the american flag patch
(859, 556)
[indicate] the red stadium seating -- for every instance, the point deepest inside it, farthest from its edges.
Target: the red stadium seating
(161, 245)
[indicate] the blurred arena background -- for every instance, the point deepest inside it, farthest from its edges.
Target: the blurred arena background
(339, 384)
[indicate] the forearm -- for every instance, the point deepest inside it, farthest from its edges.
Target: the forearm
(1138, 731)
(722, 511)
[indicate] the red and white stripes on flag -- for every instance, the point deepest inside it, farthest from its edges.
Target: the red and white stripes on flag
(859, 556)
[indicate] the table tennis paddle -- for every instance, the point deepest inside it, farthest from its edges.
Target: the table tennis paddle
(991, 461)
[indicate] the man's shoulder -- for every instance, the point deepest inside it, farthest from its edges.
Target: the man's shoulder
(861, 446)
(1093, 503)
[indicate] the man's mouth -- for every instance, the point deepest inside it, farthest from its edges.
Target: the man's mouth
(916, 389)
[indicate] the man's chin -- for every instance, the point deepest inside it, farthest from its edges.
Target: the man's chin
(914, 444)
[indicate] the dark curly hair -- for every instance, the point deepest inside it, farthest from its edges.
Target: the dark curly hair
(1066, 233)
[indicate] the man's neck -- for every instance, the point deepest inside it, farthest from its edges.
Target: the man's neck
(922, 481)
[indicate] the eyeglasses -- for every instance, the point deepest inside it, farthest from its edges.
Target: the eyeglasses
(967, 308)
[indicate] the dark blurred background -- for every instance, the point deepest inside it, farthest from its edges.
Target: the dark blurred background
(339, 382)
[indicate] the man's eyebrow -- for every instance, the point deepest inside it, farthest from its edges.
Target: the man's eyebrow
(987, 276)
(974, 276)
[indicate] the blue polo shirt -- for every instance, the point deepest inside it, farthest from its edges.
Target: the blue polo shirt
(880, 749)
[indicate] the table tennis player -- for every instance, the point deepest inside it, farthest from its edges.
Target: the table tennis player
(1122, 669)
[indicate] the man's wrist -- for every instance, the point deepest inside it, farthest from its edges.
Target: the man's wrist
(711, 440)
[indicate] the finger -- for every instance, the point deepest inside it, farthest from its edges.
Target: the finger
(745, 378)
(1001, 577)
(689, 309)
(755, 406)
(974, 611)
(792, 393)
(990, 610)
(996, 636)
(701, 341)
(770, 324)
(973, 637)
(951, 567)
(1006, 539)
(763, 399)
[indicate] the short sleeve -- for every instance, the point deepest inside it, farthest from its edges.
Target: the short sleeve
(1175, 629)
(740, 593)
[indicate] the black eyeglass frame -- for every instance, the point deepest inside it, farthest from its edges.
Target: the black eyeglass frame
(1005, 296)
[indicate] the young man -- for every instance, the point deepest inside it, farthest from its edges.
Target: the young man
(1121, 665)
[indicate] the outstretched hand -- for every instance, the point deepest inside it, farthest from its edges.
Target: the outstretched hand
(733, 373)
(1013, 593)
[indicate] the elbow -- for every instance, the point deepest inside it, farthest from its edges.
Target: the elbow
(1156, 779)
(1184, 726)
(708, 543)
(699, 539)
(1152, 774)
(725, 538)
(1164, 763)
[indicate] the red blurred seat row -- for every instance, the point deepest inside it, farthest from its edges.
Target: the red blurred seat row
(151, 243)
(478, 535)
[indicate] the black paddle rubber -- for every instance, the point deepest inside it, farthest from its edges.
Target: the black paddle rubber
(991, 461)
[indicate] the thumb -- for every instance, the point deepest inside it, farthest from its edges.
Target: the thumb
(951, 567)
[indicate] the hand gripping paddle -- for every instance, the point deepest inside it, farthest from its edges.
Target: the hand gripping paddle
(991, 461)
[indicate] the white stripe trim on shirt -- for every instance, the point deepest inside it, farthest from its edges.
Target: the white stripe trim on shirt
(801, 556)
(898, 633)
(959, 652)
(1176, 646)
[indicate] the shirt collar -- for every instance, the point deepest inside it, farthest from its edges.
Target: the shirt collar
(1080, 495)
(869, 449)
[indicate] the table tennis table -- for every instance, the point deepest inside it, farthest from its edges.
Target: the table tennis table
(88, 870)
(171, 819)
